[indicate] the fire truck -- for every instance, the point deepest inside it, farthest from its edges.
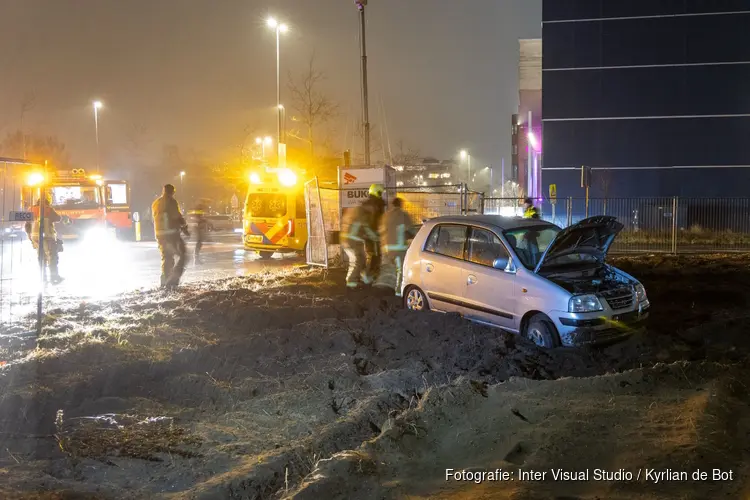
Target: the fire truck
(88, 203)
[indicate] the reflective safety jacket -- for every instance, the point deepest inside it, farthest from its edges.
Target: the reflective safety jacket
(168, 219)
(395, 228)
(531, 213)
(357, 225)
(50, 217)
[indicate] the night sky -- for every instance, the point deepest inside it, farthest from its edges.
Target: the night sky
(197, 73)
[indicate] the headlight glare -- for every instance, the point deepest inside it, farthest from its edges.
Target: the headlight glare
(584, 303)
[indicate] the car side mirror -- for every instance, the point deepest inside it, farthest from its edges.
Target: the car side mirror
(500, 263)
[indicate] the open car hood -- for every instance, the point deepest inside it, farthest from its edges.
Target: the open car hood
(592, 236)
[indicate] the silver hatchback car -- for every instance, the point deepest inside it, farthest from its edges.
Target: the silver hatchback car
(526, 276)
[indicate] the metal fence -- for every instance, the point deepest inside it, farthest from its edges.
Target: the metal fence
(19, 271)
(316, 250)
(666, 224)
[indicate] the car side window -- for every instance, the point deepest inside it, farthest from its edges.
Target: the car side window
(485, 247)
(448, 240)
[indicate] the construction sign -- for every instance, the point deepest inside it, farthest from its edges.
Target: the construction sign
(553, 193)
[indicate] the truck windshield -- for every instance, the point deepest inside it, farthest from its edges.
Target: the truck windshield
(75, 197)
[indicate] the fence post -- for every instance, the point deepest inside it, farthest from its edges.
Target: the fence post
(674, 225)
(569, 222)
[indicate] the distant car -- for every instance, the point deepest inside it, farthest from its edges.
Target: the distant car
(214, 222)
(526, 276)
(13, 231)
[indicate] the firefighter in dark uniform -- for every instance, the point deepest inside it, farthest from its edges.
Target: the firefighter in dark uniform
(168, 223)
(50, 246)
(356, 233)
(372, 247)
(529, 210)
(197, 217)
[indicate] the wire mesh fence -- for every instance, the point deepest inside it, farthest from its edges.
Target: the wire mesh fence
(19, 271)
(428, 202)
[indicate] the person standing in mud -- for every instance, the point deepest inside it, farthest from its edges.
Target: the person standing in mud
(372, 247)
(200, 226)
(168, 224)
(356, 232)
(396, 228)
(50, 245)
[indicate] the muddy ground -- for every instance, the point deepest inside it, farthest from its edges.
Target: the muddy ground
(287, 385)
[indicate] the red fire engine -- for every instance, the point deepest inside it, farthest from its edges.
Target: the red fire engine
(89, 201)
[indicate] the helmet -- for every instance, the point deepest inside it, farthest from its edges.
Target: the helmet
(377, 190)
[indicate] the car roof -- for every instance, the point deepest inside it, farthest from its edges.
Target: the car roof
(498, 221)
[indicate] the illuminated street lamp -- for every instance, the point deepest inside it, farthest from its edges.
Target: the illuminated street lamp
(97, 106)
(263, 142)
(278, 28)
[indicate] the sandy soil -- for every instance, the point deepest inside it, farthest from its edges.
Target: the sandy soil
(238, 388)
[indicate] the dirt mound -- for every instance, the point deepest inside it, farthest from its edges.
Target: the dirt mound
(260, 378)
(680, 417)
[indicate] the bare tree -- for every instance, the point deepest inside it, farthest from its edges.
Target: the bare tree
(313, 108)
(38, 148)
(376, 145)
(137, 139)
(27, 104)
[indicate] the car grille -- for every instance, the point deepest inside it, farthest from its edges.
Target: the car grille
(622, 298)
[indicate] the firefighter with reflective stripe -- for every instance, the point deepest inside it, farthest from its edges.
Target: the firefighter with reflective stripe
(396, 229)
(197, 217)
(168, 223)
(50, 244)
(356, 231)
(529, 210)
(372, 248)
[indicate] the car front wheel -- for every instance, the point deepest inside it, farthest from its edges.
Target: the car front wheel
(541, 331)
(415, 300)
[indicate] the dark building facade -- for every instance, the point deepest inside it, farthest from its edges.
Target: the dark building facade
(657, 92)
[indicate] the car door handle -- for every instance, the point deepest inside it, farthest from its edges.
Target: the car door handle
(429, 268)
(472, 279)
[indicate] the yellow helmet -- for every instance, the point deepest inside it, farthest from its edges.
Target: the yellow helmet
(377, 190)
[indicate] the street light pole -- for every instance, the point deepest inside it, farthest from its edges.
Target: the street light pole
(278, 85)
(279, 28)
(365, 111)
(97, 105)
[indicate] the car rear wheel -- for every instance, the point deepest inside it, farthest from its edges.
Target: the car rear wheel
(415, 300)
(266, 255)
(541, 331)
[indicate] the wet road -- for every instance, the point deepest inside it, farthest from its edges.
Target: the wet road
(102, 270)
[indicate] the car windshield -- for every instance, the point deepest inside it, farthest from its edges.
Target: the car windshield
(530, 243)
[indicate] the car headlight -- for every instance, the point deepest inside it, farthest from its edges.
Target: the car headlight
(640, 293)
(584, 303)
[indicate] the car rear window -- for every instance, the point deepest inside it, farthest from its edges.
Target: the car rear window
(448, 240)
